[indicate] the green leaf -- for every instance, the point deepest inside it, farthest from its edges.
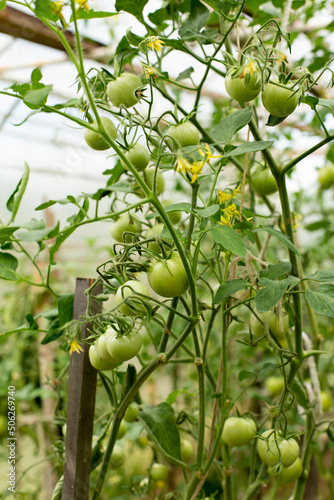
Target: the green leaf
(322, 300)
(315, 226)
(209, 211)
(6, 233)
(43, 9)
(35, 99)
(65, 308)
(134, 7)
(15, 198)
(300, 393)
(276, 270)
(198, 16)
(282, 238)
(229, 239)
(248, 147)
(38, 234)
(53, 248)
(53, 333)
(159, 423)
(267, 297)
(229, 288)
(8, 266)
(92, 14)
(2, 4)
(185, 74)
(176, 207)
(327, 276)
(231, 124)
(46, 205)
(244, 374)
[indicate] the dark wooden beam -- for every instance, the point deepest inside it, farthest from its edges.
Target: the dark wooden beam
(81, 405)
(18, 24)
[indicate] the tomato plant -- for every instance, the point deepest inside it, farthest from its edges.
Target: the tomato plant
(288, 474)
(238, 431)
(138, 156)
(96, 140)
(127, 292)
(263, 182)
(124, 347)
(125, 224)
(168, 278)
(238, 316)
(243, 88)
(122, 90)
(280, 100)
(183, 134)
(273, 448)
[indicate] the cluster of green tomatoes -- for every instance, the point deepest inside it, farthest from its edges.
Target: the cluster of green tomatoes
(280, 454)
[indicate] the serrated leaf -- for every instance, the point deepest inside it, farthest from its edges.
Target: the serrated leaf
(8, 266)
(198, 16)
(248, 147)
(267, 297)
(229, 239)
(276, 270)
(53, 333)
(231, 124)
(46, 205)
(228, 289)
(2, 4)
(38, 234)
(282, 238)
(322, 300)
(209, 211)
(160, 424)
(15, 198)
(36, 98)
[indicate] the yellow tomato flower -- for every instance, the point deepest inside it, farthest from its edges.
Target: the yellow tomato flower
(250, 68)
(281, 57)
(75, 347)
(224, 197)
(232, 210)
(196, 170)
(154, 43)
(225, 221)
(149, 71)
(182, 164)
(82, 3)
(208, 155)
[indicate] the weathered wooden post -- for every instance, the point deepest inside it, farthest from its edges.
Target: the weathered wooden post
(81, 404)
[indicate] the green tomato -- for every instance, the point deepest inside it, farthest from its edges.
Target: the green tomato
(117, 458)
(277, 326)
(274, 385)
(139, 156)
(183, 134)
(122, 430)
(131, 413)
(186, 449)
(154, 231)
(326, 177)
(159, 472)
(276, 449)
(101, 345)
(279, 101)
(238, 431)
(243, 89)
(174, 217)
(125, 223)
(326, 402)
(148, 176)
(99, 363)
(96, 140)
(133, 306)
(263, 182)
(169, 278)
(124, 347)
(288, 474)
(122, 91)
